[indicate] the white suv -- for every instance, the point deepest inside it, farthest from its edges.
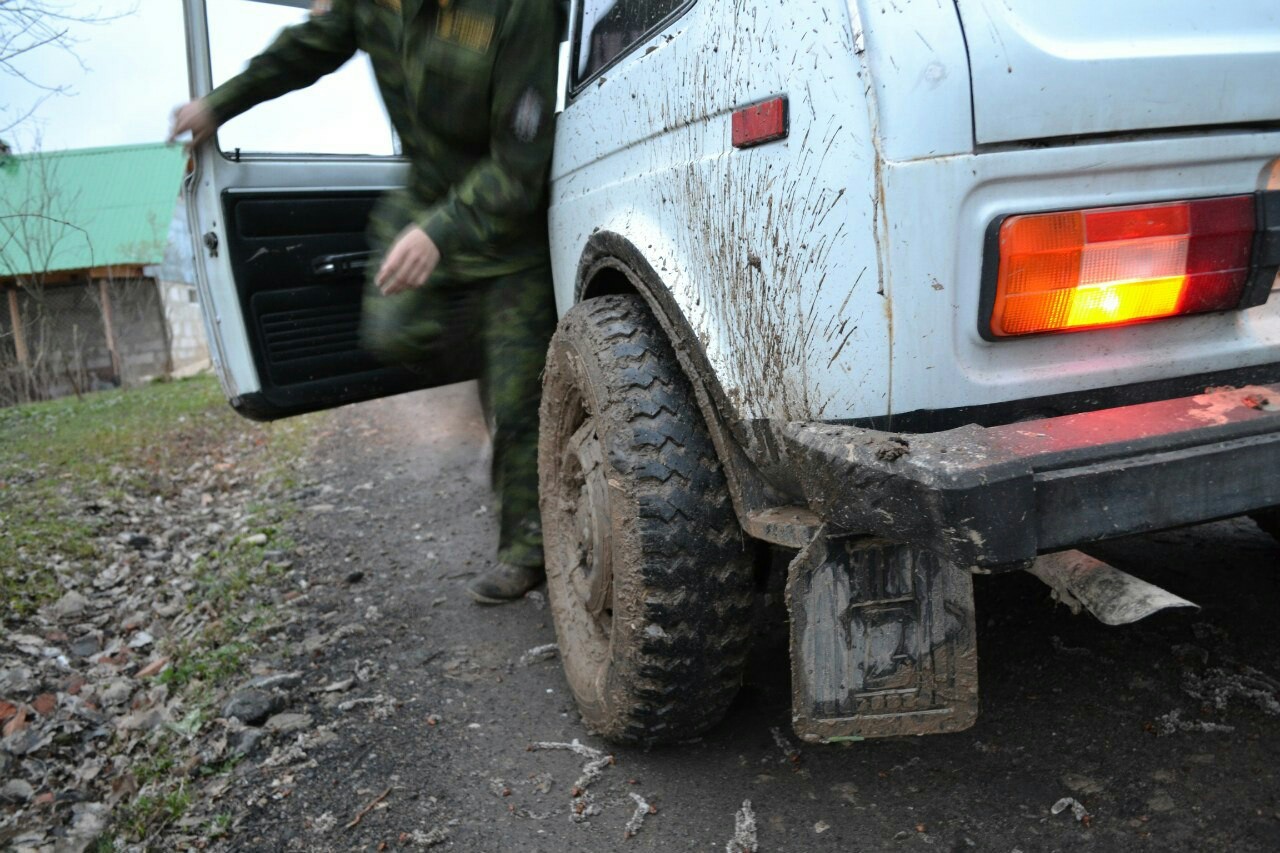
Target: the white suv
(890, 291)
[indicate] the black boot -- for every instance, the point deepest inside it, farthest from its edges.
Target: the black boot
(504, 583)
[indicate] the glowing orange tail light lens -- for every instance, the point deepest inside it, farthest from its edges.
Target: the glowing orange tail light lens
(1087, 269)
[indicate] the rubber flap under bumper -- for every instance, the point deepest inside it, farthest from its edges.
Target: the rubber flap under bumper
(998, 496)
(883, 641)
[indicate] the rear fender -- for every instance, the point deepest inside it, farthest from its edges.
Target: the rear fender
(743, 451)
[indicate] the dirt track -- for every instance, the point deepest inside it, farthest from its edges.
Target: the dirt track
(1070, 708)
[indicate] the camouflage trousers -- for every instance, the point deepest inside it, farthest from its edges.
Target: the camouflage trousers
(494, 328)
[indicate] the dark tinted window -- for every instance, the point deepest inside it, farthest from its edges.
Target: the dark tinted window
(610, 27)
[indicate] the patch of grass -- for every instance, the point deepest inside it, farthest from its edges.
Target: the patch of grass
(59, 458)
(24, 588)
(175, 803)
(225, 577)
(204, 665)
(81, 439)
(157, 765)
(209, 665)
(220, 825)
(224, 766)
(150, 812)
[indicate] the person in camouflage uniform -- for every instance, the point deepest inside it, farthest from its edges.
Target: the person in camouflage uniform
(469, 86)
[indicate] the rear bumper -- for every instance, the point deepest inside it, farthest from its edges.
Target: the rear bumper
(1001, 495)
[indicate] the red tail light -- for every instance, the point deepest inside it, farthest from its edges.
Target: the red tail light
(1088, 269)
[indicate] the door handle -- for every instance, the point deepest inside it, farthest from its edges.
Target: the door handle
(348, 262)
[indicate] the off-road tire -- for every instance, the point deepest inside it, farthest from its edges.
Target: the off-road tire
(631, 485)
(1269, 521)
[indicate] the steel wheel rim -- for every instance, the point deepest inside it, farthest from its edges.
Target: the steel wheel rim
(583, 574)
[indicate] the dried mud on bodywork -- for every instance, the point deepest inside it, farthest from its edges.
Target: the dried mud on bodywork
(762, 241)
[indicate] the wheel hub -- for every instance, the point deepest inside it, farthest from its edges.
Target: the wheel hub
(592, 578)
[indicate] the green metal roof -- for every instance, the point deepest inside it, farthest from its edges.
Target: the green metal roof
(89, 207)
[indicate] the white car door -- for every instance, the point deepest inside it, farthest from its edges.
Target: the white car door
(278, 206)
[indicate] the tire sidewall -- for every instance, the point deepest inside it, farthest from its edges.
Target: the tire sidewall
(570, 372)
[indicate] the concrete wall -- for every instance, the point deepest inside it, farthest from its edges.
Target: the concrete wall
(189, 351)
(177, 276)
(157, 326)
(142, 335)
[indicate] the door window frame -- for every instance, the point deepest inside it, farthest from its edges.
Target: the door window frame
(200, 79)
(576, 87)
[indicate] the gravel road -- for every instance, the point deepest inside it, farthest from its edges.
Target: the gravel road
(1167, 733)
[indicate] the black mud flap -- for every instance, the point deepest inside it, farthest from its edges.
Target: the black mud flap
(882, 641)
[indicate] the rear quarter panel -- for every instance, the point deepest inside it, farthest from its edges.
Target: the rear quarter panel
(768, 252)
(1102, 66)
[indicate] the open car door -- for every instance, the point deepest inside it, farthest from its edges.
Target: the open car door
(280, 236)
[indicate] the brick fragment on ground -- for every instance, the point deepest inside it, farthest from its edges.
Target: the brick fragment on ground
(16, 723)
(153, 668)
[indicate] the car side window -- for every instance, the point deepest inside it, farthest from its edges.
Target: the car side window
(342, 113)
(609, 28)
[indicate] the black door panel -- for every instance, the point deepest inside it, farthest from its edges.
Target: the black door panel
(297, 214)
(298, 262)
(306, 344)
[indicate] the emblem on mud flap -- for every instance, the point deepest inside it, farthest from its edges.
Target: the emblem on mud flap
(882, 642)
(527, 119)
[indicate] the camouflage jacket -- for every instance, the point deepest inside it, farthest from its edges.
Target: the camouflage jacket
(470, 88)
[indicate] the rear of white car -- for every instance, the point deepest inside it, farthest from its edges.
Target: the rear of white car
(1082, 106)
(1105, 237)
(998, 283)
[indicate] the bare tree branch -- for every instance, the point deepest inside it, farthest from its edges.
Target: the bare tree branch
(35, 232)
(6, 65)
(30, 112)
(30, 26)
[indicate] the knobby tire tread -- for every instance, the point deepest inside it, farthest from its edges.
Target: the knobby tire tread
(695, 573)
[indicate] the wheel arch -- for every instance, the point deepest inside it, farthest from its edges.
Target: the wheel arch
(612, 264)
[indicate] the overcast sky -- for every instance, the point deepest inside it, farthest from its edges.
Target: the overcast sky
(135, 72)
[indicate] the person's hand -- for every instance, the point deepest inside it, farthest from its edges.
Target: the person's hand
(195, 117)
(321, 7)
(411, 261)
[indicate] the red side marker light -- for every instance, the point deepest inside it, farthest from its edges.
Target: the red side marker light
(760, 123)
